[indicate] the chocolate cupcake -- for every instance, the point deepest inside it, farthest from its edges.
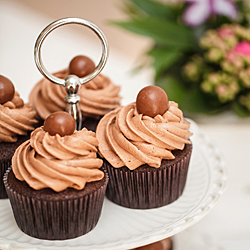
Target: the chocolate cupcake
(146, 151)
(97, 97)
(16, 121)
(57, 185)
(166, 244)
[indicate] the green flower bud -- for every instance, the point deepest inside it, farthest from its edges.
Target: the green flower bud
(238, 63)
(224, 77)
(191, 71)
(214, 78)
(227, 89)
(222, 92)
(207, 41)
(228, 67)
(242, 32)
(231, 41)
(204, 42)
(234, 87)
(206, 87)
(214, 55)
(246, 60)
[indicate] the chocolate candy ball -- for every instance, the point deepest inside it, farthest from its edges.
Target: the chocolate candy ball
(7, 90)
(60, 123)
(152, 101)
(81, 66)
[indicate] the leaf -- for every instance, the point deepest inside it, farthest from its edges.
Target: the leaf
(131, 9)
(172, 87)
(240, 110)
(191, 101)
(162, 32)
(155, 8)
(164, 58)
(194, 101)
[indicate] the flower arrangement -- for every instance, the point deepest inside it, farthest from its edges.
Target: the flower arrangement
(200, 52)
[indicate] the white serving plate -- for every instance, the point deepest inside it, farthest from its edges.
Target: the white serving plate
(124, 228)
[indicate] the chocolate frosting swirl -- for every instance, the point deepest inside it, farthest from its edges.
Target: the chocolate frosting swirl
(127, 138)
(98, 96)
(16, 118)
(57, 162)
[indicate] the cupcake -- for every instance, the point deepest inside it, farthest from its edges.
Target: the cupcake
(146, 150)
(165, 244)
(16, 121)
(57, 185)
(97, 97)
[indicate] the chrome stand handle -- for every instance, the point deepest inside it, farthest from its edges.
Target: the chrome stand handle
(71, 83)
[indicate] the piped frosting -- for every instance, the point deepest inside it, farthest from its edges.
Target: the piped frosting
(57, 162)
(97, 97)
(16, 118)
(127, 138)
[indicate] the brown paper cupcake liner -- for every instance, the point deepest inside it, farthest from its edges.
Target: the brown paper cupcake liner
(147, 187)
(3, 167)
(55, 216)
(7, 150)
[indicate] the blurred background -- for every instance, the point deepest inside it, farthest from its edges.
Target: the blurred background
(22, 21)
(227, 226)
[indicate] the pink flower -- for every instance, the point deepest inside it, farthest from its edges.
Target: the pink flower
(242, 48)
(225, 32)
(199, 10)
(231, 56)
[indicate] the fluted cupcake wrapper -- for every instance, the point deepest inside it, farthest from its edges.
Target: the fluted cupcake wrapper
(7, 150)
(3, 167)
(57, 219)
(148, 187)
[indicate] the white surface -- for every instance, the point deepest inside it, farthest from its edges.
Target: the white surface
(227, 226)
(124, 228)
(20, 27)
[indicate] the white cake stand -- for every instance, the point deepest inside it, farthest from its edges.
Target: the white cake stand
(124, 228)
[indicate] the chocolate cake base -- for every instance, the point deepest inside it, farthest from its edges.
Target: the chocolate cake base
(46, 214)
(90, 123)
(7, 150)
(147, 187)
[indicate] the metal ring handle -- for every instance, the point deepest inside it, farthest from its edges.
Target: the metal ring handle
(61, 22)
